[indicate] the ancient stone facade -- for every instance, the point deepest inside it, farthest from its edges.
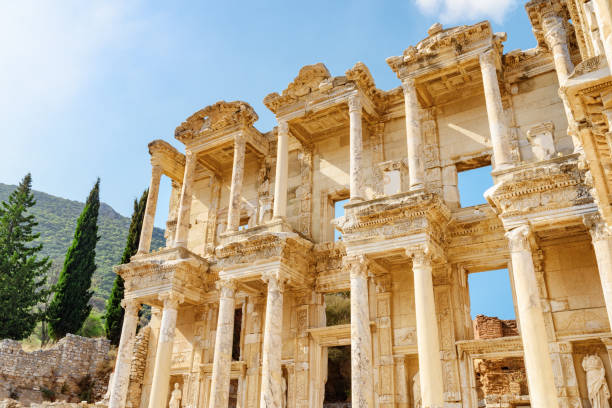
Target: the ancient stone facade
(251, 227)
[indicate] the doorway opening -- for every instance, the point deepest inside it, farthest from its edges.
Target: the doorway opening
(338, 385)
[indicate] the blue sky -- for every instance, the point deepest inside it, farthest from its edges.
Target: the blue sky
(84, 86)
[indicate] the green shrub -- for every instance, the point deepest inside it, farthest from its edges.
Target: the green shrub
(47, 394)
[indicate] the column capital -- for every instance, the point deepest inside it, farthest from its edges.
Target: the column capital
(408, 84)
(275, 280)
(357, 266)
(171, 300)
(354, 103)
(156, 170)
(597, 226)
(519, 238)
(487, 57)
(226, 288)
(131, 306)
(554, 32)
(283, 127)
(421, 257)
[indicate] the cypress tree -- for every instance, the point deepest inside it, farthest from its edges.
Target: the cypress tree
(114, 312)
(70, 305)
(22, 274)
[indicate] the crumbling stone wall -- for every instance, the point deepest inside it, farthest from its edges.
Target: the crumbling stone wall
(486, 327)
(139, 363)
(503, 381)
(59, 370)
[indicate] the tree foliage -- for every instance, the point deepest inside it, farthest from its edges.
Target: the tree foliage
(70, 305)
(22, 273)
(114, 312)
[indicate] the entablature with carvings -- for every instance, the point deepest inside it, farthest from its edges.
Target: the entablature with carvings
(170, 270)
(170, 160)
(546, 193)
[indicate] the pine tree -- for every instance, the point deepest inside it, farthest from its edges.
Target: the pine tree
(22, 273)
(114, 312)
(70, 307)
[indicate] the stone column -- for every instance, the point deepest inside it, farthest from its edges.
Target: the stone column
(146, 233)
(163, 356)
(602, 244)
(271, 374)
(603, 13)
(356, 148)
(428, 343)
(233, 213)
(222, 359)
(124, 356)
(556, 39)
(182, 222)
(542, 390)
(495, 111)
(282, 171)
(414, 138)
(362, 391)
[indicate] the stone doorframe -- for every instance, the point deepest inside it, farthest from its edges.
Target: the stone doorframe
(321, 338)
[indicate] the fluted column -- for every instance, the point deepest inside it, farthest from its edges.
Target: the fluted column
(233, 213)
(542, 390)
(362, 395)
(428, 343)
(182, 222)
(120, 381)
(222, 359)
(146, 233)
(414, 137)
(495, 111)
(282, 171)
(556, 39)
(271, 374)
(602, 244)
(603, 13)
(163, 356)
(356, 147)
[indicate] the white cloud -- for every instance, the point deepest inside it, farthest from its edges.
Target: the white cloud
(49, 50)
(461, 11)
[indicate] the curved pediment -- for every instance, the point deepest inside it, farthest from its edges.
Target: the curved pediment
(308, 80)
(215, 117)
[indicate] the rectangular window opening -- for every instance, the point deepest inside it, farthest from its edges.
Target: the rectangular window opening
(337, 308)
(492, 304)
(236, 355)
(339, 212)
(472, 184)
(338, 385)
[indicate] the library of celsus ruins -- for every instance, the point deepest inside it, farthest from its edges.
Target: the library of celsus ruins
(239, 294)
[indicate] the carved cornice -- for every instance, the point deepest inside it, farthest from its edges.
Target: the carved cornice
(361, 76)
(168, 159)
(544, 14)
(309, 79)
(216, 117)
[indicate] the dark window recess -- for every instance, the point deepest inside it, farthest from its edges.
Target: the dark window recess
(236, 338)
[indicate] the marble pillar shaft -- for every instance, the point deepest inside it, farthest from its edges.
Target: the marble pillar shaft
(271, 373)
(602, 245)
(124, 356)
(184, 213)
(414, 137)
(163, 357)
(603, 13)
(356, 147)
(428, 343)
(495, 111)
(146, 232)
(556, 38)
(233, 213)
(540, 378)
(362, 391)
(222, 359)
(282, 171)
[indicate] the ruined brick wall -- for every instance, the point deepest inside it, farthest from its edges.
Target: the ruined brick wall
(139, 363)
(486, 327)
(59, 368)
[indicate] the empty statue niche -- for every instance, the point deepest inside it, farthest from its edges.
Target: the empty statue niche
(337, 308)
(473, 179)
(338, 384)
(491, 304)
(236, 339)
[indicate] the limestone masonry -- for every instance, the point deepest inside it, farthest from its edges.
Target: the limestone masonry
(237, 294)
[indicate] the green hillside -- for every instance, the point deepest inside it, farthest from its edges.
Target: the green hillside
(57, 218)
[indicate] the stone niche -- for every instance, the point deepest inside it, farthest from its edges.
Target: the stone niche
(501, 382)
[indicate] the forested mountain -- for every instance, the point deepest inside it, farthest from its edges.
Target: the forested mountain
(57, 219)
